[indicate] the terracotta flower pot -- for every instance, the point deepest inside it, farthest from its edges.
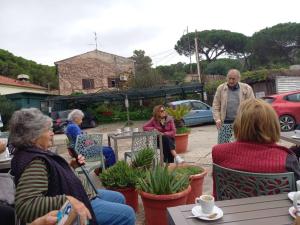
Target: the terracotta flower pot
(181, 141)
(131, 196)
(155, 206)
(196, 182)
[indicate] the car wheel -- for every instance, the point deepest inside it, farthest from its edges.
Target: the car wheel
(287, 123)
(93, 123)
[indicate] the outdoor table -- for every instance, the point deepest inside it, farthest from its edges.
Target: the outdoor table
(287, 136)
(128, 135)
(270, 209)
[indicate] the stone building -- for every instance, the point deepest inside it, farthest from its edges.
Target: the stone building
(92, 72)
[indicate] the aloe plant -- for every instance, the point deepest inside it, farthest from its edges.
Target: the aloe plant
(143, 158)
(120, 175)
(189, 170)
(161, 181)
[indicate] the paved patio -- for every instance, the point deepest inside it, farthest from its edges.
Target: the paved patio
(201, 140)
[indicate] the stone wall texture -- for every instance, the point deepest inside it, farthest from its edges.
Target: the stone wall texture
(100, 66)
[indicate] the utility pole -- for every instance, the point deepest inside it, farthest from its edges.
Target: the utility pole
(191, 69)
(197, 57)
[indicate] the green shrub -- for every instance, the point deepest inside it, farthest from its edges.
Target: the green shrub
(120, 175)
(182, 130)
(161, 181)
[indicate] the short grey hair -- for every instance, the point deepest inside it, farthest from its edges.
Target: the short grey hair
(27, 125)
(76, 113)
(237, 72)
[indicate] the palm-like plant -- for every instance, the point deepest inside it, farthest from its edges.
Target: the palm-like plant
(178, 113)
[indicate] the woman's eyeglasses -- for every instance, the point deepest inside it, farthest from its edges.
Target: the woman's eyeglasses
(162, 110)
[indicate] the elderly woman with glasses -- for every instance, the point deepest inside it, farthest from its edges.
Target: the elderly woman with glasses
(45, 181)
(164, 124)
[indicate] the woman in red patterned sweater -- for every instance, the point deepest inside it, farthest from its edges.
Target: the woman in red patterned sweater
(256, 129)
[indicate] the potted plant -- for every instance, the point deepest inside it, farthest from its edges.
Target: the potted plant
(182, 132)
(143, 160)
(196, 176)
(160, 189)
(122, 178)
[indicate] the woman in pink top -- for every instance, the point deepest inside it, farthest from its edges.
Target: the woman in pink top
(164, 124)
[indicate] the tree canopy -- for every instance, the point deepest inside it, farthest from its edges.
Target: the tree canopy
(279, 44)
(142, 63)
(12, 66)
(213, 43)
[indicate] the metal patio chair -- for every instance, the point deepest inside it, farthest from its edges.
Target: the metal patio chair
(232, 184)
(90, 146)
(140, 140)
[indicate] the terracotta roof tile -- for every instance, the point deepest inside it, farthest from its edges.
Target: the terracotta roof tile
(10, 81)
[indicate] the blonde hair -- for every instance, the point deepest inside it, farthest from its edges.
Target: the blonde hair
(256, 121)
(156, 112)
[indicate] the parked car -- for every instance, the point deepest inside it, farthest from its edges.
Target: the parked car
(287, 106)
(60, 120)
(200, 112)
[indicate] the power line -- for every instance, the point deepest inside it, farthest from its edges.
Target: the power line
(161, 53)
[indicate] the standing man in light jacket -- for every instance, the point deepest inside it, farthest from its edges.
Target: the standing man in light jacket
(227, 99)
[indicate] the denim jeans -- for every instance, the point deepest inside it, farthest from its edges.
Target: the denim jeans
(110, 209)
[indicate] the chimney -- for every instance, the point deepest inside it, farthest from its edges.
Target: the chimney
(23, 77)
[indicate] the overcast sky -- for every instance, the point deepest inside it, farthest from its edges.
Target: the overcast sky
(51, 30)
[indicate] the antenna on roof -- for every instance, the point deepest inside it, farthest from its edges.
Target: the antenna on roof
(96, 40)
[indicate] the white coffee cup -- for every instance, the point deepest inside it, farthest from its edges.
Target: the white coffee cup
(136, 129)
(207, 203)
(119, 131)
(126, 129)
(295, 201)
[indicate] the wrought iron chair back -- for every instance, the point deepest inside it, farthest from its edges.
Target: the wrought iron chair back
(142, 140)
(232, 184)
(90, 146)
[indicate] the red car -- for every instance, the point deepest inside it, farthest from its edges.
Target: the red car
(287, 106)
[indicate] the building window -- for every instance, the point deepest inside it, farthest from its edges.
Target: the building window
(88, 84)
(113, 82)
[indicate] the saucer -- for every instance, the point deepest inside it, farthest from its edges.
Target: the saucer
(296, 137)
(5, 159)
(197, 211)
(291, 196)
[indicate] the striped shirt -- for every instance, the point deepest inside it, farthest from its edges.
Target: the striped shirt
(31, 201)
